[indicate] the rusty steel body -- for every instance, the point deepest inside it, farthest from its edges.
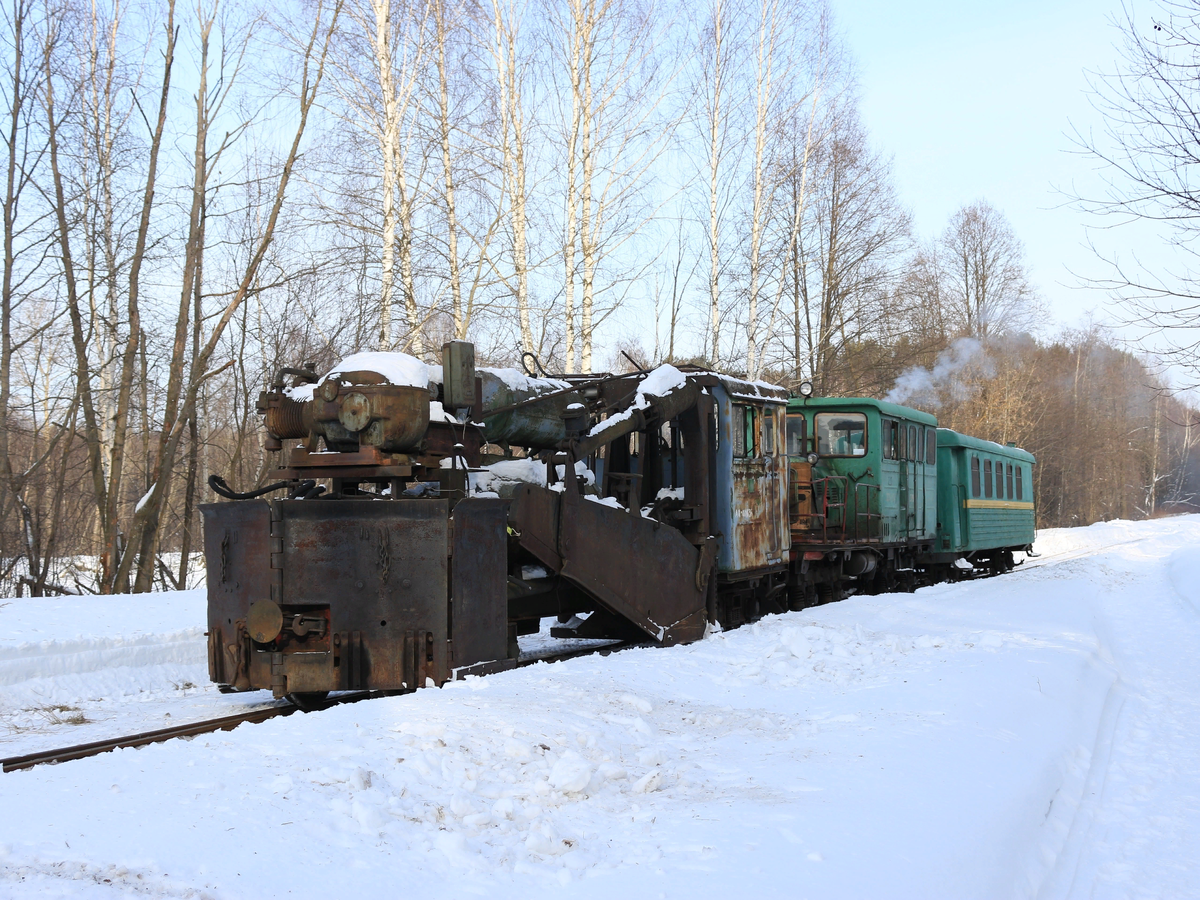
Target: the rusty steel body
(351, 411)
(751, 501)
(395, 595)
(377, 574)
(530, 413)
(643, 571)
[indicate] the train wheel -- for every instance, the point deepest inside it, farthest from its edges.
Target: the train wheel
(828, 593)
(308, 701)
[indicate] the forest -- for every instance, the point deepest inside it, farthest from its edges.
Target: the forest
(195, 196)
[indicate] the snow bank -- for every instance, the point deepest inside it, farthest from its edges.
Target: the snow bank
(1032, 735)
(65, 650)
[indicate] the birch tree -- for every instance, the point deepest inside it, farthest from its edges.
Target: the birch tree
(618, 69)
(510, 68)
(146, 525)
(718, 58)
(378, 64)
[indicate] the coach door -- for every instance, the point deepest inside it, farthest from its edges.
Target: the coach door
(905, 485)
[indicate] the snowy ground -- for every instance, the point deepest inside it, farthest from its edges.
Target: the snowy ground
(1031, 735)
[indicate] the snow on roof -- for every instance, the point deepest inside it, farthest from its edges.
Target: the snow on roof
(396, 368)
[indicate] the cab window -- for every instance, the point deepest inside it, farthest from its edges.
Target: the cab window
(841, 434)
(889, 448)
(1008, 477)
(987, 478)
(768, 432)
(744, 430)
(797, 436)
(930, 446)
(914, 444)
(1020, 487)
(974, 476)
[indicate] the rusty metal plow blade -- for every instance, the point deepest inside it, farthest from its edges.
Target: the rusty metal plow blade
(635, 567)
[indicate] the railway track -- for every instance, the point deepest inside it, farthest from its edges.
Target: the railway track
(250, 716)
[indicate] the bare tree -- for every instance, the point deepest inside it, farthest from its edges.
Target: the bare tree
(985, 278)
(78, 284)
(1150, 146)
(846, 258)
(147, 520)
(378, 66)
(615, 58)
(718, 59)
(510, 72)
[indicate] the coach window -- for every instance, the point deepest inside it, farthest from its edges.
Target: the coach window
(987, 478)
(841, 434)
(974, 476)
(930, 446)
(1008, 476)
(797, 436)
(1020, 491)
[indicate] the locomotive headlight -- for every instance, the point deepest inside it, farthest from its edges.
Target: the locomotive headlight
(813, 459)
(806, 389)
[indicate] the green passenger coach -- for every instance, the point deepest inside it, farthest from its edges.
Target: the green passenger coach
(985, 500)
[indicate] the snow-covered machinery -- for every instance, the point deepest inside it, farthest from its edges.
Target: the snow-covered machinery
(431, 517)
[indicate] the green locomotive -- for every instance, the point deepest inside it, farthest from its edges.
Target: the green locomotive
(881, 498)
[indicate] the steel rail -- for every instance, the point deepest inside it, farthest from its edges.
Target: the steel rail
(253, 716)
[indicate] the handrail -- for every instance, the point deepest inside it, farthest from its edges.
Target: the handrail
(862, 528)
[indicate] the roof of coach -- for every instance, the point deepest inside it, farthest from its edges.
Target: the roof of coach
(948, 438)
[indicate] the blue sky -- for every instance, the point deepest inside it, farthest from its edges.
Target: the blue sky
(976, 100)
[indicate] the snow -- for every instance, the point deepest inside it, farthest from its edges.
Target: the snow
(1036, 734)
(437, 413)
(397, 368)
(301, 393)
(501, 479)
(516, 380)
(658, 383)
(145, 498)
